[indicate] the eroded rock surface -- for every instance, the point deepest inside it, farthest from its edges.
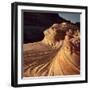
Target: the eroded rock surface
(57, 54)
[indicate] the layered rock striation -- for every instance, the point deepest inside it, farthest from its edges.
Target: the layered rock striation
(57, 54)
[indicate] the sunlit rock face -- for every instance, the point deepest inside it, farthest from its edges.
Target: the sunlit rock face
(52, 36)
(57, 54)
(56, 33)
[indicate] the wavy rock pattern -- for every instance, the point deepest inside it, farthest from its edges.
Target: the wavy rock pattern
(54, 55)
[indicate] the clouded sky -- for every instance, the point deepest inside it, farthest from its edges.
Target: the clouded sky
(73, 17)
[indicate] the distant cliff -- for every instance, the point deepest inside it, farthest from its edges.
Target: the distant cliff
(36, 23)
(42, 19)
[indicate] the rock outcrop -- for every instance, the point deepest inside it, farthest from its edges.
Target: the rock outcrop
(57, 54)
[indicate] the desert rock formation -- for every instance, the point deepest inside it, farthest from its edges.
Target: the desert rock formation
(57, 54)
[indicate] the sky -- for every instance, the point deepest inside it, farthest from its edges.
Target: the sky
(73, 17)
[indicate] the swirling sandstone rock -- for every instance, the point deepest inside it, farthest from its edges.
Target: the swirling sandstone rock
(57, 54)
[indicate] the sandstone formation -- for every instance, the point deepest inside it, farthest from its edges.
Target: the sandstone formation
(57, 54)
